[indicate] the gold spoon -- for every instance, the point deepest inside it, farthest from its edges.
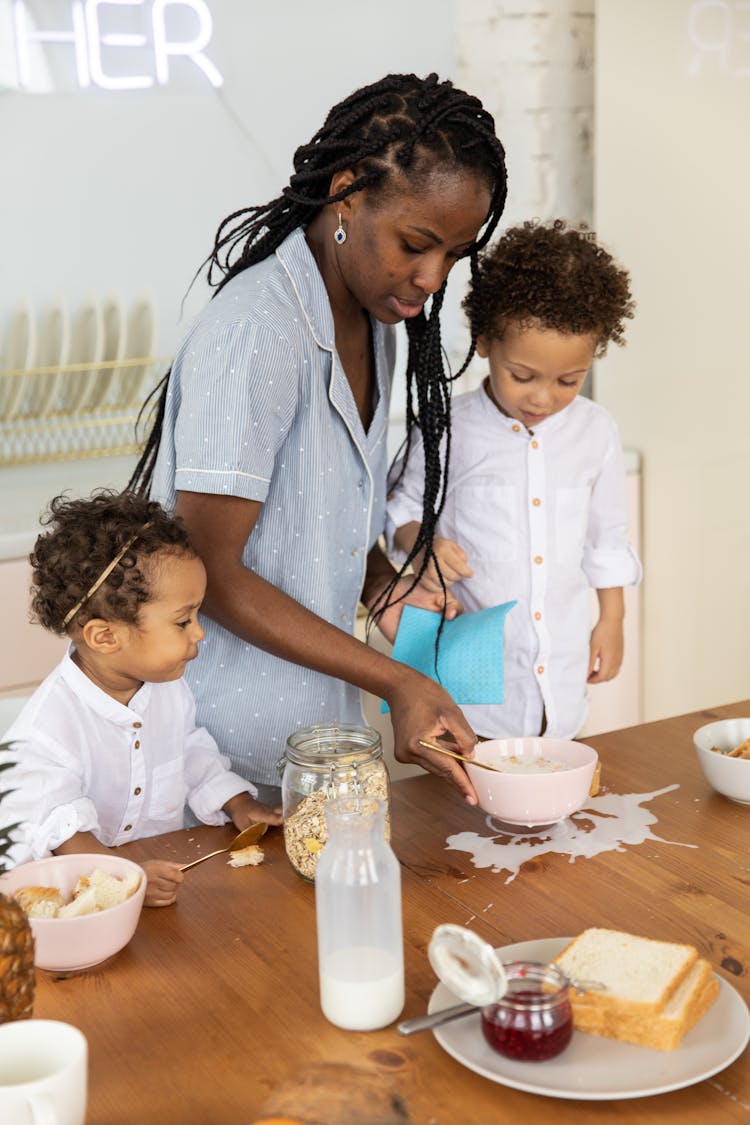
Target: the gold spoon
(247, 837)
(460, 757)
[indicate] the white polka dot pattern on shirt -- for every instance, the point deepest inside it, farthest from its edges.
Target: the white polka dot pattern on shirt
(264, 411)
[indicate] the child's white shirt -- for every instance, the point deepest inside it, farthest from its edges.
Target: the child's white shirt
(86, 763)
(542, 517)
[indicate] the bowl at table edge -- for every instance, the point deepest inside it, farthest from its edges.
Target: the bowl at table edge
(533, 798)
(728, 776)
(68, 944)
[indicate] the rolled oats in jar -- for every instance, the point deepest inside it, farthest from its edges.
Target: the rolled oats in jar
(338, 760)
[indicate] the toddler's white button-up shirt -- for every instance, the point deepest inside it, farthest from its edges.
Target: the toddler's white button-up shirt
(83, 762)
(542, 517)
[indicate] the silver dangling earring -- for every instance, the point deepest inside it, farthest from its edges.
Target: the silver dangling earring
(339, 235)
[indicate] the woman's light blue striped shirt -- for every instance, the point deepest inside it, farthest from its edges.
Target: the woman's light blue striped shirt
(259, 407)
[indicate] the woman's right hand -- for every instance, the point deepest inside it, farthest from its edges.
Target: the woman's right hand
(162, 880)
(421, 709)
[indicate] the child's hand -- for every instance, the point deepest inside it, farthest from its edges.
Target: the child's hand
(244, 811)
(453, 561)
(163, 877)
(605, 651)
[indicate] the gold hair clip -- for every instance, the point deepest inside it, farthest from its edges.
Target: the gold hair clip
(104, 575)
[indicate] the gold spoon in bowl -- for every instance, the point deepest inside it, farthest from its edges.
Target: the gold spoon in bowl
(459, 757)
(247, 837)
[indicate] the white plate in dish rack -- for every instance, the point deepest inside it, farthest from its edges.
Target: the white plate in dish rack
(593, 1068)
(113, 327)
(141, 337)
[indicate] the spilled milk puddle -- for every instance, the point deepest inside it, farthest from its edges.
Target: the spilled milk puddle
(606, 823)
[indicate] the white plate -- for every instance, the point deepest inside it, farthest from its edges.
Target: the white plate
(593, 1068)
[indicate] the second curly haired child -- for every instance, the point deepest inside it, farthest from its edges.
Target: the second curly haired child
(535, 507)
(107, 747)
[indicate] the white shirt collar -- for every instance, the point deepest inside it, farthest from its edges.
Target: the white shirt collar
(97, 699)
(544, 428)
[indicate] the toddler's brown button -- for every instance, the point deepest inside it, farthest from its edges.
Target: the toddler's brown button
(137, 744)
(137, 725)
(137, 791)
(127, 828)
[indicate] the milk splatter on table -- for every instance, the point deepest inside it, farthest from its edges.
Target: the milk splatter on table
(606, 824)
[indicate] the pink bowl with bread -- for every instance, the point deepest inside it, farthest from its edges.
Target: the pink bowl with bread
(66, 944)
(543, 780)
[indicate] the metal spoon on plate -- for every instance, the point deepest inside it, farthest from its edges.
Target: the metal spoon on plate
(247, 837)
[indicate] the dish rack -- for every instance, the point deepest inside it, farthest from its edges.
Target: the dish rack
(72, 411)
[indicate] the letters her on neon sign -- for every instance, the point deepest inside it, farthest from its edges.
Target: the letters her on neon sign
(86, 37)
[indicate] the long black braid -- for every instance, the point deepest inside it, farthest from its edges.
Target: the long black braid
(401, 124)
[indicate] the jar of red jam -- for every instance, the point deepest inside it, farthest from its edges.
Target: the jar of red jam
(533, 1021)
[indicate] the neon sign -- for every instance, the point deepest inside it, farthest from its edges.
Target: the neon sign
(91, 42)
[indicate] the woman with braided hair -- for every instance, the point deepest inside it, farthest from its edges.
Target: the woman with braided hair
(270, 429)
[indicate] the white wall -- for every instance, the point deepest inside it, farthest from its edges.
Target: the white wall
(123, 191)
(531, 62)
(671, 189)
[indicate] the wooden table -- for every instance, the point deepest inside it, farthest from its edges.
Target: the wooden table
(215, 1000)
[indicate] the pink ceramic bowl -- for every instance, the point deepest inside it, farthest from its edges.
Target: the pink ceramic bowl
(528, 798)
(67, 944)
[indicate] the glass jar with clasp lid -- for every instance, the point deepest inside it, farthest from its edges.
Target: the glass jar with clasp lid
(533, 1020)
(321, 763)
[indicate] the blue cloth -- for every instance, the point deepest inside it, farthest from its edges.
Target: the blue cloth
(470, 657)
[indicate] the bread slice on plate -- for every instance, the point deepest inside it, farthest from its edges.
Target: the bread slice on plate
(639, 975)
(665, 1031)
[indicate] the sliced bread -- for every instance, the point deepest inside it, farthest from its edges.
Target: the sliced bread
(40, 902)
(596, 779)
(110, 890)
(250, 856)
(665, 1031)
(638, 974)
(83, 903)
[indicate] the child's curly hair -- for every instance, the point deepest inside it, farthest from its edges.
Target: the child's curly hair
(85, 536)
(552, 274)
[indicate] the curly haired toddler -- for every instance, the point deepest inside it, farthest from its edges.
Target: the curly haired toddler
(107, 747)
(535, 506)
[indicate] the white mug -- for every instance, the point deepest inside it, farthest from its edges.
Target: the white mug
(43, 1066)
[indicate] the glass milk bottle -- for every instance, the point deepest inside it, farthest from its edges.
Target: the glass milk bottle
(358, 908)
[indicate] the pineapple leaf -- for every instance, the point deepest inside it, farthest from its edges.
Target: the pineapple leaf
(6, 839)
(6, 832)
